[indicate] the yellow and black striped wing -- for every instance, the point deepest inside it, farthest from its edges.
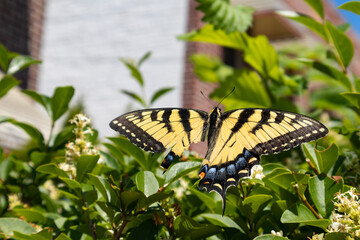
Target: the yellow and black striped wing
(156, 130)
(244, 135)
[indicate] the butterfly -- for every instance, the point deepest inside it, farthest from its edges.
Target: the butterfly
(236, 139)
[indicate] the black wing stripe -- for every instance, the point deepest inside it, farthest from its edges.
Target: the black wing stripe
(243, 118)
(165, 119)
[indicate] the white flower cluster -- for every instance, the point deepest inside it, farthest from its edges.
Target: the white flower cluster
(346, 217)
(257, 172)
(80, 146)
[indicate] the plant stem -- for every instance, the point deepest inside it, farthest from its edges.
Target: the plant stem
(307, 204)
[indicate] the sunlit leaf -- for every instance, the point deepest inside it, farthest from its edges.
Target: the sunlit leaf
(60, 100)
(330, 71)
(33, 132)
(21, 62)
(221, 221)
(352, 6)
(305, 20)
(10, 224)
(180, 169)
(144, 58)
(327, 158)
(7, 83)
(323, 190)
(52, 168)
(134, 70)
(342, 43)
(209, 35)
(353, 98)
(160, 93)
(223, 15)
(317, 6)
(39, 98)
(85, 164)
(300, 214)
(249, 92)
(134, 96)
(146, 182)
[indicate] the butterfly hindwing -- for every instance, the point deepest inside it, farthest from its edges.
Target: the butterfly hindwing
(156, 130)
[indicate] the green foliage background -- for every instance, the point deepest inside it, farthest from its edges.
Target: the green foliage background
(127, 196)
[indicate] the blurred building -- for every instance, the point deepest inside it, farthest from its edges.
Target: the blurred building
(81, 42)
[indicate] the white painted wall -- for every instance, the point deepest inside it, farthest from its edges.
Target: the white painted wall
(83, 40)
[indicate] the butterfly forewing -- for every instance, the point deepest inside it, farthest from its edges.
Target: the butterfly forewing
(156, 130)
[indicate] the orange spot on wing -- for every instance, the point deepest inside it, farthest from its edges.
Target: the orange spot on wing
(202, 175)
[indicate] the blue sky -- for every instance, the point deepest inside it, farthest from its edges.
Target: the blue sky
(350, 17)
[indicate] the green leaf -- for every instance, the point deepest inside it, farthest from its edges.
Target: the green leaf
(209, 68)
(129, 199)
(144, 58)
(21, 62)
(327, 158)
(336, 236)
(100, 184)
(8, 225)
(155, 198)
(330, 72)
(269, 237)
(39, 98)
(249, 92)
(179, 170)
(6, 83)
(45, 234)
(221, 221)
(208, 34)
(59, 102)
(160, 93)
(129, 148)
(317, 6)
(62, 236)
(353, 98)
(223, 15)
(85, 164)
(63, 137)
(5, 168)
(300, 214)
(31, 215)
(342, 43)
(146, 182)
(134, 70)
(52, 168)
(186, 228)
(305, 20)
(352, 6)
(72, 183)
(205, 198)
(309, 151)
(146, 230)
(135, 97)
(253, 205)
(4, 59)
(33, 133)
(323, 190)
(261, 55)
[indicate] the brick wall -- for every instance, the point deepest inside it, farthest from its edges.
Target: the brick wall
(20, 31)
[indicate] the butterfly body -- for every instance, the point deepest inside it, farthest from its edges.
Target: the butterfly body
(236, 138)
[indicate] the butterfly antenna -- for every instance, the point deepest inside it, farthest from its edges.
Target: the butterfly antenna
(207, 98)
(226, 96)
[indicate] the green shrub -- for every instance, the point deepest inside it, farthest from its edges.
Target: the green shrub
(66, 187)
